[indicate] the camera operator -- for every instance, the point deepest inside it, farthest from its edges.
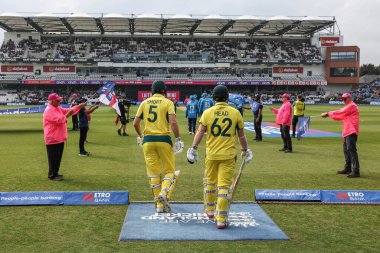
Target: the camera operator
(124, 106)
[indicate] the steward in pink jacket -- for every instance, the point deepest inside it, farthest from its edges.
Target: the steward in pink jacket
(55, 132)
(284, 114)
(284, 119)
(55, 128)
(349, 114)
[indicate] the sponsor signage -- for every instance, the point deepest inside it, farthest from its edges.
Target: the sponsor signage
(329, 41)
(243, 82)
(288, 70)
(375, 103)
(288, 195)
(147, 82)
(39, 82)
(96, 198)
(336, 103)
(65, 69)
(27, 110)
(31, 198)
(272, 130)
(189, 222)
(325, 196)
(280, 82)
(17, 68)
(143, 94)
(351, 196)
(175, 82)
(116, 60)
(170, 94)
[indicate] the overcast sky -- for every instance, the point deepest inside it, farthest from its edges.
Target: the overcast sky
(358, 20)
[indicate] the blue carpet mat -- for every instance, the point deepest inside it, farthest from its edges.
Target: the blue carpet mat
(187, 222)
(273, 131)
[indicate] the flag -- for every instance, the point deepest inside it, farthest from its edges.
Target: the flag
(108, 96)
(236, 99)
(303, 126)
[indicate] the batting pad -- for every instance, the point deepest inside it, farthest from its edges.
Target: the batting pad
(188, 222)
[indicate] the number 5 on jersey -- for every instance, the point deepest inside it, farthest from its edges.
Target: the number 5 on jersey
(152, 118)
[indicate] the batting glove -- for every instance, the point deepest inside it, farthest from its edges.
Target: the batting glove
(192, 155)
(178, 145)
(139, 141)
(247, 155)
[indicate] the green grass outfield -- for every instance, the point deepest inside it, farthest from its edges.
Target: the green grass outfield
(118, 164)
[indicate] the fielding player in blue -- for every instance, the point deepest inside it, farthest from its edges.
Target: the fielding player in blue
(204, 103)
(192, 114)
(157, 112)
(221, 122)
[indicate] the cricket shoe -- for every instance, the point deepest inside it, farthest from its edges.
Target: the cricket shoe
(159, 209)
(210, 214)
(162, 198)
(221, 224)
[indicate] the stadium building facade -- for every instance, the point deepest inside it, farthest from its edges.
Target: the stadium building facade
(250, 54)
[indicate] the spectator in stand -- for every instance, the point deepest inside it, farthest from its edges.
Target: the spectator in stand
(192, 114)
(83, 125)
(74, 118)
(349, 114)
(298, 111)
(284, 119)
(55, 132)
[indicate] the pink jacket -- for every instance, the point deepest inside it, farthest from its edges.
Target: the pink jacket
(284, 114)
(350, 116)
(55, 129)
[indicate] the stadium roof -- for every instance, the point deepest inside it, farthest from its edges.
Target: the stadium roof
(114, 23)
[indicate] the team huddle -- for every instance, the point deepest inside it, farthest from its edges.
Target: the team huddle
(220, 122)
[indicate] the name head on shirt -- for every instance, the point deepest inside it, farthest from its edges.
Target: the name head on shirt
(221, 113)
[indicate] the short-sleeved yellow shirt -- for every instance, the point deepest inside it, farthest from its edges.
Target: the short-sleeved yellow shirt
(155, 111)
(221, 122)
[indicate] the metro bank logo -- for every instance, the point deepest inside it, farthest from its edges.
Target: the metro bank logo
(88, 197)
(96, 197)
(351, 196)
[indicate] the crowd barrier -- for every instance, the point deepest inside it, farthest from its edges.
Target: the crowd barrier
(64, 198)
(322, 196)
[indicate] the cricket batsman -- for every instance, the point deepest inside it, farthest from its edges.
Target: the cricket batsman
(221, 122)
(157, 112)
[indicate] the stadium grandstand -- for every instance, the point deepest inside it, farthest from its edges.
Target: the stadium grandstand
(250, 54)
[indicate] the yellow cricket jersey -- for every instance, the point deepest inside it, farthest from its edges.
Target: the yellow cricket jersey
(299, 108)
(221, 122)
(155, 111)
